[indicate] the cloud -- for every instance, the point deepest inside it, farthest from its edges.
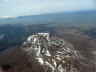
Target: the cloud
(7, 16)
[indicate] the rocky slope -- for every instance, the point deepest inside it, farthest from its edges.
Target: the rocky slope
(51, 54)
(42, 53)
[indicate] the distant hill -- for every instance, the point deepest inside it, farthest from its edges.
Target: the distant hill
(80, 17)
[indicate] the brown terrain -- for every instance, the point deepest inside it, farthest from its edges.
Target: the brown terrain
(83, 44)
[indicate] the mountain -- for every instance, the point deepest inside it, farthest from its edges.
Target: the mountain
(80, 17)
(61, 26)
(75, 54)
(49, 54)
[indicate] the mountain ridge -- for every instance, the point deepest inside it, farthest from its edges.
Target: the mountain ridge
(61, 17)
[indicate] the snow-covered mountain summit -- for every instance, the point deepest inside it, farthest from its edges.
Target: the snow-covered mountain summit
(53, 55)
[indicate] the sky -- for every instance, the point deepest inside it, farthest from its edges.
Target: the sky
(14, 8)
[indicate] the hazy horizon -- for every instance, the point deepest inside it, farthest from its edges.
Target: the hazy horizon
(14, 8)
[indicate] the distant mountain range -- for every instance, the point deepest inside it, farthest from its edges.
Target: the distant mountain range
(80, 17)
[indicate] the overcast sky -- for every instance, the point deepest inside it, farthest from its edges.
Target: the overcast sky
(32, 7)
